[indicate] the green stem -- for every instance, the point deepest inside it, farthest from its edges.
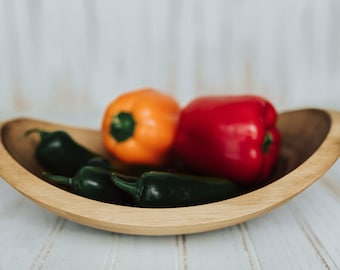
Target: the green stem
(126, 177)
(268, 140)
(58, 179)
(129, 187)
(122, 126)
(42, 133)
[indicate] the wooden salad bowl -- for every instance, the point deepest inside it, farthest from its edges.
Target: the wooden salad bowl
(310, 146)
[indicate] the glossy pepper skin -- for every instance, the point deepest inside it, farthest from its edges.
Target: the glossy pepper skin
(58, 153)
(139, 127)
(229, 136)
(162, 189)
(93, 183)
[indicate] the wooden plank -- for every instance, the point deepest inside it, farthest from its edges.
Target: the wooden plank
(280, 242)
(148, 253)
(317, 213)
(79, 247)
(25, 229)
(222, 249)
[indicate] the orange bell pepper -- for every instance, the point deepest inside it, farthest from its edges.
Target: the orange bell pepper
(139, 127)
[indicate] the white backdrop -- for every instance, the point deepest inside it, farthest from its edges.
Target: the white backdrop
(75, 56)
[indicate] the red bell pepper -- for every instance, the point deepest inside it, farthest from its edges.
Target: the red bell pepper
(229, 136)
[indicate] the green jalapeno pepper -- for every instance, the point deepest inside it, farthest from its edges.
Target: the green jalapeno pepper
(93, 183)
(99, 162)
(58, 153)
(161, 189)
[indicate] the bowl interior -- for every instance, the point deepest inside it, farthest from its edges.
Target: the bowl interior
(302, 133)
(22, 147)
(305, 133)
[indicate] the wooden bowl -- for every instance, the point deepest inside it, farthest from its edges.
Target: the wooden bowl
(310, 146)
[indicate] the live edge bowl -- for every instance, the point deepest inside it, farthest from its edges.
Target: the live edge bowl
(310, 146)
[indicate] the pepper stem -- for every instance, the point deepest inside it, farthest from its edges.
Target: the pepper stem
(58, 179)
(129, 187)
(122, 126)
(42, 133)
(268, 140)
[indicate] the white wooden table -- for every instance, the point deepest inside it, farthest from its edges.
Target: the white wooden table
(302, 234)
